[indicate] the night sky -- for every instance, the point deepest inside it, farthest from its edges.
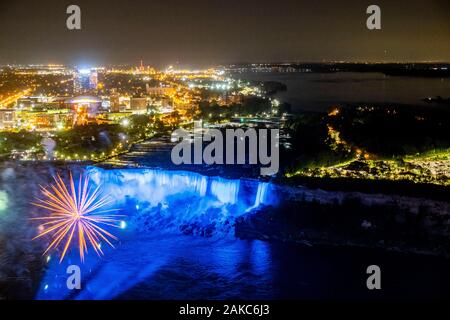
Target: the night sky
(209, 32)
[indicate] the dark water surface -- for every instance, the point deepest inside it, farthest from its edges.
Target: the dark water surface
(319, 91)
(170, 266)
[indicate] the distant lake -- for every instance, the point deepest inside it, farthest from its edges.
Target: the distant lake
(319, 91)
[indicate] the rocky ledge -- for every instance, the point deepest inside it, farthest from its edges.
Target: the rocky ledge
(317, 217)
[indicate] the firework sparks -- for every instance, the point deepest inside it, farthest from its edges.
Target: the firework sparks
(75, 212)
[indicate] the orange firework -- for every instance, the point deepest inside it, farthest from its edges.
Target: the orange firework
(76, 211)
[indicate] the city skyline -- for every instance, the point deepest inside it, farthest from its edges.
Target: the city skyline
(203, 34)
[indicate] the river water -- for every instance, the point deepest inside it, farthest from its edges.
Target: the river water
(178, 243)
(319, 91)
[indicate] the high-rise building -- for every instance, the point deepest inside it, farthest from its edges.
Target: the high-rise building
(93, 80)
(85, 80)
(114, 102)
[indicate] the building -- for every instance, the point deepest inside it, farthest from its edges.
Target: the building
(93, 80)
(47, 120)
(114, 102)
(85, 80)
(139, 105)
(85, 108)
(161, 105)
(7, 119)
(27, 103)
(159, 90)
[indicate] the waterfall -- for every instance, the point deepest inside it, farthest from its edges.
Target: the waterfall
(177, 198)
(153, 185)
(225, 190)
(261, 194)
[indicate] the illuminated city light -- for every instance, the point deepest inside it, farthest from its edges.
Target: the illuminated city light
(125, 122)
(84, 71)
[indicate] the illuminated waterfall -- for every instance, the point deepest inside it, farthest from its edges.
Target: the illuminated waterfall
(226, 191)
(261, 194)
(155, 186)
(181, 200)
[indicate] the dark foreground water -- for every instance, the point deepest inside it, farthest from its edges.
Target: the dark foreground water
(154, 259)
(320, 91)
(168, 266)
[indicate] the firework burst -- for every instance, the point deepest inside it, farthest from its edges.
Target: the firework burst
(75, 212)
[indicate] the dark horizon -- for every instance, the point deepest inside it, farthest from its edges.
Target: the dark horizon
(210, 33)
(232, 63)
